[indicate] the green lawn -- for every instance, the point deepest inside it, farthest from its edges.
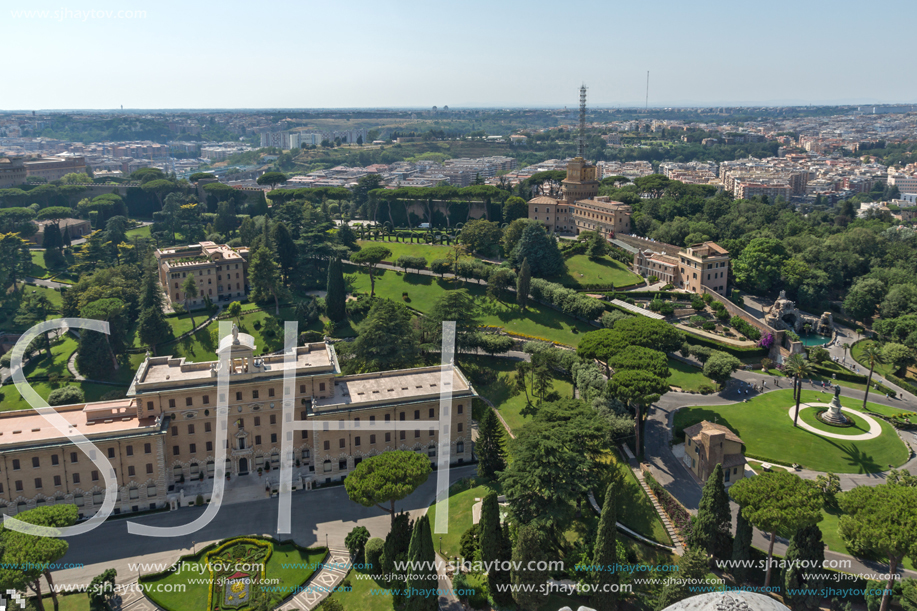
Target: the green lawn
(635, 510)
(10, 399)
(891, 411)
(61, 351)
(52, 295)
(139, 232)
(831, 537)
(461, 498)
(195, 595)
(687, 377)
(768, 433)
(423, 291)
(39, 269)
(428, 251)
(582, 270)
(856, 351)
(362, 596)
(503, 395)
(809, 416)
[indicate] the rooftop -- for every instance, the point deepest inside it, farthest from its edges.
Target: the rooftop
(388, 386)
(694, 432)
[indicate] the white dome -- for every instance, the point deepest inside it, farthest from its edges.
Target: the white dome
(736, 600)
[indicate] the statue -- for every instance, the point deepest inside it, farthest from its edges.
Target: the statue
(235, 334)
(837, 392)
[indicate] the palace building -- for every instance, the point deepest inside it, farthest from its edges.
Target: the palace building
(580, 208)
(161, 439)
(690, 268)
(221, 272)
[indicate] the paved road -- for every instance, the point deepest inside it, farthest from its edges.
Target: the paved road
(319, 516)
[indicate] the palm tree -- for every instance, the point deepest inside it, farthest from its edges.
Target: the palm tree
(798, 367)
(872, 354)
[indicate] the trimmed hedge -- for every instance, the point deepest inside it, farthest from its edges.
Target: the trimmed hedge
(848, 376)
(733, 350)
(743, 327)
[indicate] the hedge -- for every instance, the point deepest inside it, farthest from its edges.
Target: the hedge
(743, 327)
(680, 516)
(567, 300)
(848, 376)
(733, 350)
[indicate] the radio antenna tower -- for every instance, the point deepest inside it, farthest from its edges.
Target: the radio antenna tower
(581, 149)
(647, 107)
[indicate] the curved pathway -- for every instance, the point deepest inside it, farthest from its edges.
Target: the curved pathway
(875, 429)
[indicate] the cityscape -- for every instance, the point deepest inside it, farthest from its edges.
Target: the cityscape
(610, 340)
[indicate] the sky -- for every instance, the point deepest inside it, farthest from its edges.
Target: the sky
(472, 53)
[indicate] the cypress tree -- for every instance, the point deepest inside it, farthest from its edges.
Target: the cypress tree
(489, 446)
(605, 555)
(426, 579)
(396, 549)
(528, 548)
(805, 558)
(741, 549)
(710, 528)
(691, 566)
(491, 533)
(523, 284)
(499, 576)
(337, 292)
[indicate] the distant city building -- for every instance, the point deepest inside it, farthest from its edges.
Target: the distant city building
(221, 272)
(54, 168)
(75, 228)
(12, 171)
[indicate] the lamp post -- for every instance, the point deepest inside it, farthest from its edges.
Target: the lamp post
(440, 545)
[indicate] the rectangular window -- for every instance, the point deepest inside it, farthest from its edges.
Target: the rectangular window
(257, 440)
(174, 450)
(327, 445)
(76, 478)
(111, 452)
(401, 416)
(73, 457)
(149, 406)
(372, 439)
(304, 434)
(207, 428)
(459, 427)
(16, 466)
(189, 401)
(460, 408)
(55, 459)
(273, 418)
(401, 436)
(432, 411)
(416, 433)
(388, 417)
(206, 399)
(130, 471)
(191, 429)
(147, 448)
(57, 481)
(238, 396)
(356, 441)
(94, 476)
(416, 414)
(388, 437)
(342, 464)
(38, 482)
(174, 431)
(254, 394)
(321, 386)
(273, 437)
(270, 392)
(209, 446)
(19, 485)
(129, 450)
(257, 420)
(193, 448)
(171, 402)
(302, 389)
(149, 467)
(340, 443)
(35, 461)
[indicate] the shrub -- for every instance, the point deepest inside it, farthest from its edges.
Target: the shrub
(680, 516)
(701, 353)
(66, 396)
(736, 297)
(373, 553)
(708, 298)
(766, 363)
(698, 303)
(697, 320)
(656, 305)
(709, 326)
(722, 315)
(706, 389)
(667, 309)
(199, 501)
(740, 325)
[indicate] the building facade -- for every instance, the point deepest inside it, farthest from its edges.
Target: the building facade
(54, 168)
(601, 215)
(689, 268)
(12, 172)
(221, 272)
(162, 439)
(707, 445)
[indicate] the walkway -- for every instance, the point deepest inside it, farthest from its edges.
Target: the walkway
(875, 429)
(321, 583)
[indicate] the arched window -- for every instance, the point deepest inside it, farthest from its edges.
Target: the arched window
(177, 472)
(78, 500)
(195, 469)
(305, 454)
(96, 498)
(210, 468)
(151, 491)
(327, 466)
(133, 494)
(460, 447)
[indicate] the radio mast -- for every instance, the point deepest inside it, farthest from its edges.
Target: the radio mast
(582, 122)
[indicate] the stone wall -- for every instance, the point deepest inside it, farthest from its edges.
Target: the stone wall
(735, 310)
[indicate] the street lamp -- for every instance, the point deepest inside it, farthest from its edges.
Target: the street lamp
(440, 544)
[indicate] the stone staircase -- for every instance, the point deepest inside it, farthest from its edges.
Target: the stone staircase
(322, 583)
(676, 537)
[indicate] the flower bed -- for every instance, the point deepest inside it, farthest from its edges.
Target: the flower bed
(680, 516)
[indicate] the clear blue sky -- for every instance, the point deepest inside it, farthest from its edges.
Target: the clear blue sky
(378, 53)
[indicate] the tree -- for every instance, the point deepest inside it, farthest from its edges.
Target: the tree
(897, 355)
(640, 358)
(799, 368)
(528, 552)
(285, 250)
(498, 283)
(440, 266)
(234, 311)
(489, 446)
(98, 352)
(66, 395)
(720, 366)
(160, 188)
(32, 555)
(864, 297)
(872, 354)
(882, 520)
(458, 306)
(264, 277)
(356, 543)
(385, 338)
(189, 288)
(710, 528)
(759, 265)
(692, 568)
(423, 578)
(481, 236)
(523, 284)
(336, 297)
(494, 547)
(804, 559)
(605, 555)
(370, 257)
(515, 208)
(540, 249)
(513, 232)
(101, 590)
(639, 388)
(153, 328)
(778, 503)
(741, 549)
(272, 179)
(396, 546)
(387, 477)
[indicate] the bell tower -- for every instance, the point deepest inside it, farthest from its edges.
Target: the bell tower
(581, 182)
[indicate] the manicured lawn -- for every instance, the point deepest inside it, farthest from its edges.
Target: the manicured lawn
(809, 416)
(52, 295)
(365, 594)
(537, 322)
(195, 595)
(856, 351)
(61, 352)
(139, 232)
(461, 498)
(10, 399)
(891, 411)
(582, 270)
(687, 377)
(427, 251)
(635, 510)
(39, 269)
(831, 537)
(503, 395)
(768, 433)
(70, 602)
